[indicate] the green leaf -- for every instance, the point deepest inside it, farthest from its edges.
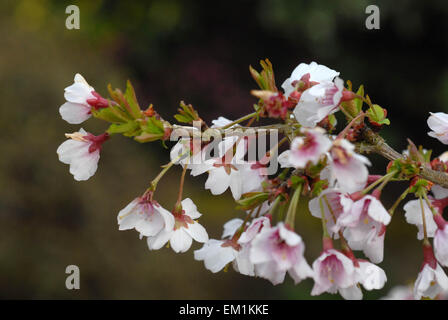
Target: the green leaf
(148, 137)
(296, 180)
(377, 114)
(265, 79)
(187, 114)
(181, 118)
(358, 101)
(154, 126)
(318, 187)
(131, 99)
(110, 114)
(127, 127)
(252, 200)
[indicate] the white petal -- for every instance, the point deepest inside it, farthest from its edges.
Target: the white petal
(414, 216)
(167, 216)
(218, 181)
(351, 293)
(158, 241)
(269, 271)
(180, 240)
(190, 208)
(291, 238)
(126, 217)
(377, 211)
(74, 113)
(230, 227)
(197, 232)
(372, 276)
(78, 93)
(438, 122)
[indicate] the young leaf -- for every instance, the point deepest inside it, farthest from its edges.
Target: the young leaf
(128, 127)
(131, 99)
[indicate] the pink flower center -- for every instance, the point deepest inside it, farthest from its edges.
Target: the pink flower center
(96, 141)
(231, 243)
(182, 221)
(228, 167)
(331, 268)
(98, 102)
(340, 155)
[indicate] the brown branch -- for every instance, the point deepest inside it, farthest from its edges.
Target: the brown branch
(375, 143)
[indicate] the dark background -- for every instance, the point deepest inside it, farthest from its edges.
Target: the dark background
(198, 51)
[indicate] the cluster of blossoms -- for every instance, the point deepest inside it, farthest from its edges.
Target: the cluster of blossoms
(320, 165)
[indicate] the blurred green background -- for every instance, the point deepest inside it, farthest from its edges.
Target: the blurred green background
(198, 51)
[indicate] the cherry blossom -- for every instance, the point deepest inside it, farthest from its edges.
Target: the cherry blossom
(189, 152)
(413, 214)
(320, 164)
(185, 229)
(348, 167)
(81, 97)
(364, 227)
(82, 153)
(283, 159)
(318, 102)
(256, 226)
(441, 240)
(76, 110)
(216, 254)
(438, 123)
(334, 203)
(309, 148)
(334, 271)
(400, 293)
(146, 216)
(369, 275)
(278, 250)
(317, 73)
(431, 280)
(224, 173)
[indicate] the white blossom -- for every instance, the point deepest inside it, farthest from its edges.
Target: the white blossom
(185, 229)
(82, 153)
(438, 123)
(318, 102)
(77, 109)
(318, 73)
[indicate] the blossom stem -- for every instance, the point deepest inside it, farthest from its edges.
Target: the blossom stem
(324, 224)
(246, 117)
(166, 167)
(386, 177)
(274, 206)
(397, 202)
(341, 235)
(240, 230)
(433, 210)
(379, 189)
(291, 214)
(425, 232)
(181, 187)
(376, 144)
(347, 115)
(257, 214)
(156, 180)
(344, 132)
(330, 208)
